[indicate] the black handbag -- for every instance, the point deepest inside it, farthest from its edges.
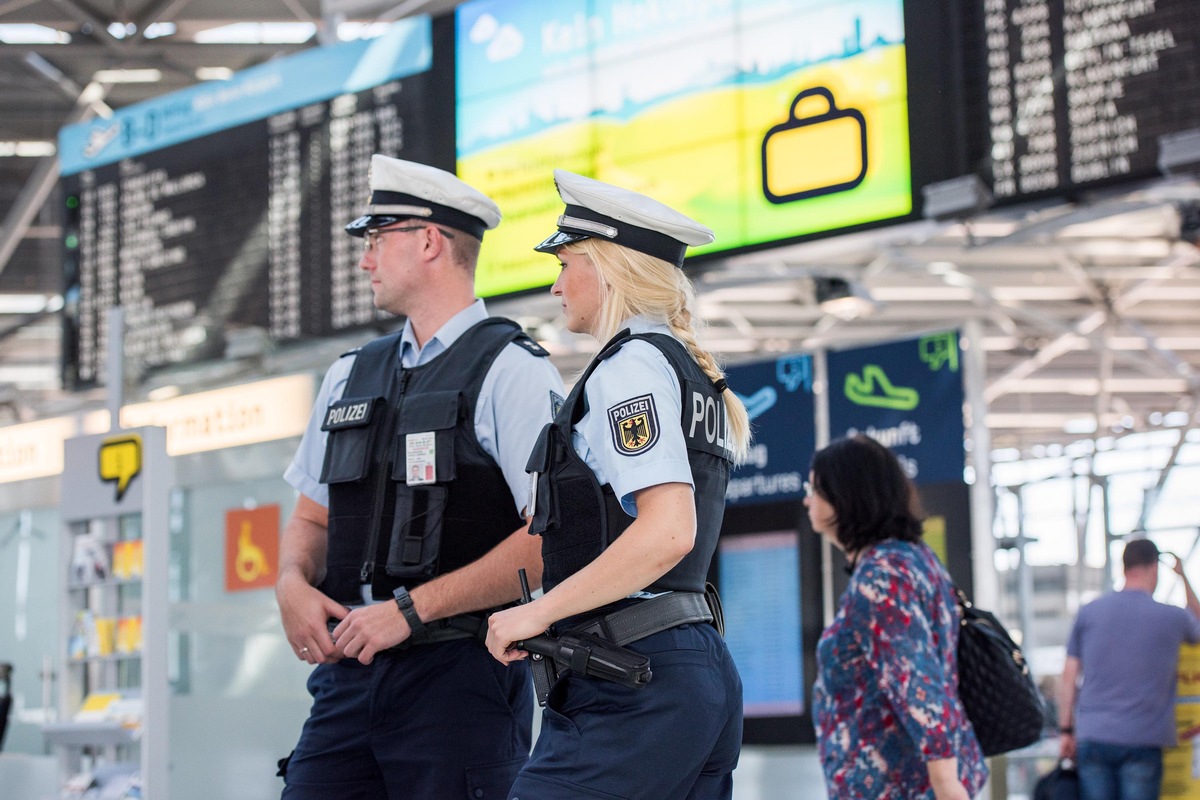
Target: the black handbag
(995, 684)
(1061, 783)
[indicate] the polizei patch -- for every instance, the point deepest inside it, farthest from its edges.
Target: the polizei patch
(348, 414)
(634, 425)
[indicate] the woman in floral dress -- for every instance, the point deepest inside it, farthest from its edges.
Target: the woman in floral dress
(888, 718)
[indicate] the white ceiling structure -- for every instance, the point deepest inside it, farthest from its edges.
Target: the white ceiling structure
(1087, 311)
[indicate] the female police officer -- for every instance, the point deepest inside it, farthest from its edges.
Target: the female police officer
(629, 495)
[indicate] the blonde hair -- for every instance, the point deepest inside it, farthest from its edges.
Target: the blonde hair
(635, 284)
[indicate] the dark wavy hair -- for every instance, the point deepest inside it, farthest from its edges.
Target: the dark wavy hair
(873, 500)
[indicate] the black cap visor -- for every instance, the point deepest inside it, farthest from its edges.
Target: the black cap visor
(558, 239)
(360, 226)
(406, 206)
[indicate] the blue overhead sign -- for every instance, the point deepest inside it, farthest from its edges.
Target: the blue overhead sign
(252, 94)
(907, 395)
(779, 400)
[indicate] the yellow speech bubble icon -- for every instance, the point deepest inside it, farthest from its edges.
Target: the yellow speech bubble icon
(120, 461)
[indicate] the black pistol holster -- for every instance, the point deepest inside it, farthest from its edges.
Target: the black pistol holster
(583, 654)
(595, 646)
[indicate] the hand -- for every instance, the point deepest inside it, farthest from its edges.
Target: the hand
(304, 611)
(1066, 746)
(369, 630)
(514, 625)
(951, 791)
(943, 779)
(1177, 567)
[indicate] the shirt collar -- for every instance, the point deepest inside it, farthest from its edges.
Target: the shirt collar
(642, 324)
(413, 356)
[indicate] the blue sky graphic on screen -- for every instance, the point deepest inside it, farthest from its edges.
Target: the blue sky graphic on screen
(251, 94)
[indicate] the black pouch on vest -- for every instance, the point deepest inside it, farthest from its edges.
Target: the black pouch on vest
(348, 453)
(416, 536)
(417, 532)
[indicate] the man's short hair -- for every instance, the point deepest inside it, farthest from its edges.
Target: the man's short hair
(1140, 553)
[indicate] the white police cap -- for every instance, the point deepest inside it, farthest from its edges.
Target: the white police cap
(603, 211)
(408, 190)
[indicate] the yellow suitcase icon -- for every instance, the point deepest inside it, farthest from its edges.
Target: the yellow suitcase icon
(814, 155)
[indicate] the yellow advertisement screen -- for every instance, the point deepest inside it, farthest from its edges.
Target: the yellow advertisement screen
(763, 119)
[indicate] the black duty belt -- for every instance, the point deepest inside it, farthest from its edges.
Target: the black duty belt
(645, 617)
(464, 626)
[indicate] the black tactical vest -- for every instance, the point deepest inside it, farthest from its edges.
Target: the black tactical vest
(577, 517)
(412, 494)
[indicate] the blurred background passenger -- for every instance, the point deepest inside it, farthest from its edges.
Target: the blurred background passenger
(1118, 683)
(888, 719)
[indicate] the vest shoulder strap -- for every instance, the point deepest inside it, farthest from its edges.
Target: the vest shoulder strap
(371, 362)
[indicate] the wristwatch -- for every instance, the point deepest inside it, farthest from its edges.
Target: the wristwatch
(410, 613)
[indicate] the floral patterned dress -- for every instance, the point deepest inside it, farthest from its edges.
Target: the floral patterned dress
(886, 695)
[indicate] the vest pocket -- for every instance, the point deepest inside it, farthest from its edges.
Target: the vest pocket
(416, 539)
(350, 439)
(426, 433)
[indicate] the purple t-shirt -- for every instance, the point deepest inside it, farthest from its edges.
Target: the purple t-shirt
(1127, 644)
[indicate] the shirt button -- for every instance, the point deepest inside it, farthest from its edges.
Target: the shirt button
(478, 793)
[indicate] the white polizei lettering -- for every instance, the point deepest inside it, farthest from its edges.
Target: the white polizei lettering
(697, 412)
(710, 419)
(711, 412)
(346, 414)
(630, 409)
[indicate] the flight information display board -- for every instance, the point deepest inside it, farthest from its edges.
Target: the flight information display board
(1078, 91)
(222, 207)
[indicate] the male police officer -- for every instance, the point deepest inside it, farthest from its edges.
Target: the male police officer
(410, 517)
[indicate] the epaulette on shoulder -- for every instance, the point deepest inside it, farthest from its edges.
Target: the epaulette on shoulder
(353, 352)
(524, 340)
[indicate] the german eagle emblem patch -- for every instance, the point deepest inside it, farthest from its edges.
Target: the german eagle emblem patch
(634, 425)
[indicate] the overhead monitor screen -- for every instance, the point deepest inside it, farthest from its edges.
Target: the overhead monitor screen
(763, 119)
(760, 592)
(1078, 91)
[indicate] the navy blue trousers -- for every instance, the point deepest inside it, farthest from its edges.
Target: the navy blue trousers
(679, 737)
(435, 721)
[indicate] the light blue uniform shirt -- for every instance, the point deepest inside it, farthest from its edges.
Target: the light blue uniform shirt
(637, 370)
(515, 402)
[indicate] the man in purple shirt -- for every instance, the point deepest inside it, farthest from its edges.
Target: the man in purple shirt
(1125, 645)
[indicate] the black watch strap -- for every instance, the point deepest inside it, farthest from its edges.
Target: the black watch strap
(409, 611)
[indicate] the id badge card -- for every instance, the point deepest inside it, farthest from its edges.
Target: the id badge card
(420, 458)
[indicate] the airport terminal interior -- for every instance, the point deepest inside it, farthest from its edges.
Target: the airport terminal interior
(966, 228)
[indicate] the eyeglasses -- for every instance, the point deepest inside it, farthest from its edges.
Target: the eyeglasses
(808, 489)
(371, 240)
